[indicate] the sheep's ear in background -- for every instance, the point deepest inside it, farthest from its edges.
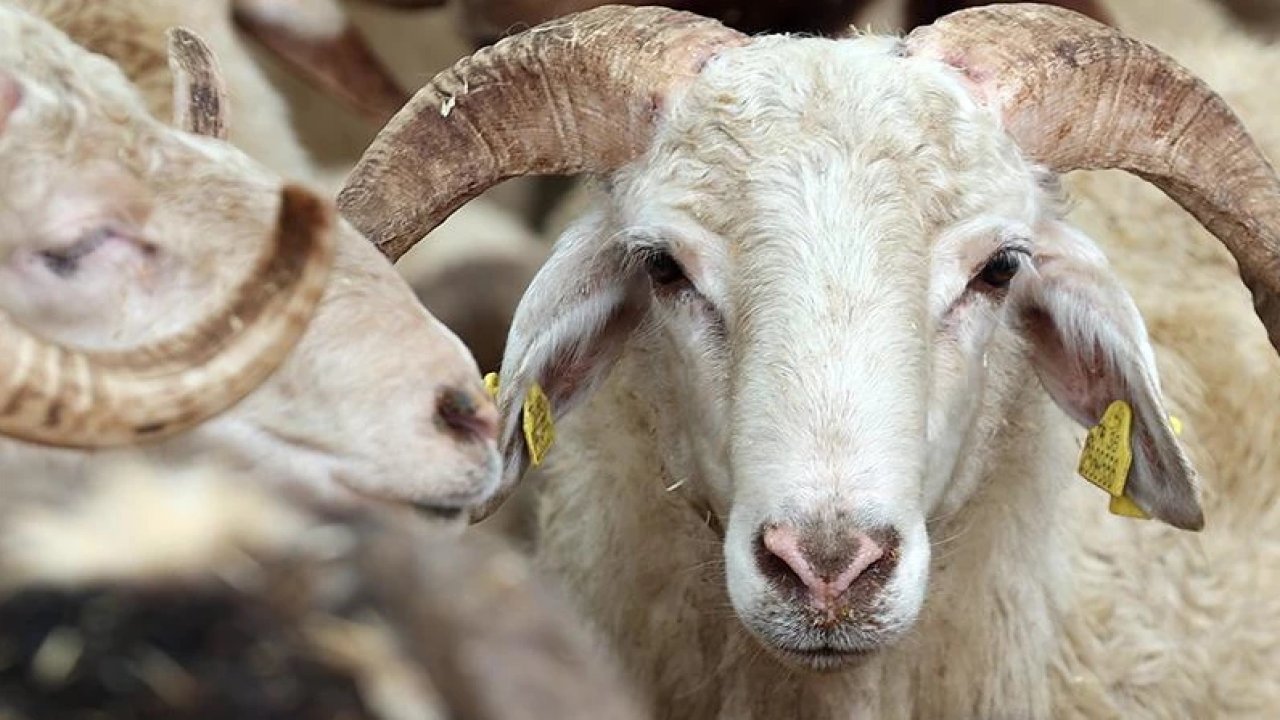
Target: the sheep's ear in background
(568, 331)
(10, 97)
(199, 94)
(1090, 348)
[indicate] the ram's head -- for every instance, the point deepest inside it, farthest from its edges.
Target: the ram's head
(826, 262)
(191, 284)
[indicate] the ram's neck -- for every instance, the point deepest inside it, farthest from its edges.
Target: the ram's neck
(644, 565)
(640, 561)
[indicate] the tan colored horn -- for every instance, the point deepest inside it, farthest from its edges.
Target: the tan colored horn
(199, 94)
(55, 395)
(1076, 94)
(579, 94)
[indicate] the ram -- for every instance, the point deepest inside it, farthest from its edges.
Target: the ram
(120, 230)
(823, 348)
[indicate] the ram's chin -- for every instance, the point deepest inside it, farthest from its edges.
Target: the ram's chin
(805, 639)
(821, 660)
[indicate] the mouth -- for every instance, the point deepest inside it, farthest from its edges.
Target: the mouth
(439, 513)
(821, 659)
(451, 513)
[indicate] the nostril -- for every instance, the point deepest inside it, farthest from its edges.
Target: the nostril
(469, 413)
(781, 560)
(865, 553)
(826, 564)
(776, 570)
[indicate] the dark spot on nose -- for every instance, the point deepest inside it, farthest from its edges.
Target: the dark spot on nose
(467, 413)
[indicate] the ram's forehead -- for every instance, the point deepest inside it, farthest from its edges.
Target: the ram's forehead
(786, 125)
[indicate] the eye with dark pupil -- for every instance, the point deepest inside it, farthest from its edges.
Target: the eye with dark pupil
(65, 262)
(663, 269)
(1001, 268)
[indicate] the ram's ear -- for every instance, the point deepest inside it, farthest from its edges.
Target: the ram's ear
(568, 331)
(199, 94)
(1090, 348)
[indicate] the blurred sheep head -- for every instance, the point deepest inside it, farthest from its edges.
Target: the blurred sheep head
(119, 230)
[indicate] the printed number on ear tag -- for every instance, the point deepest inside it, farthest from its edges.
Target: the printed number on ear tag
(1107, 457)
(538, 421)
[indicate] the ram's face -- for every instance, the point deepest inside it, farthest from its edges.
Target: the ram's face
(118, 230)
(828, 280)
(827, 258)
(808, 251)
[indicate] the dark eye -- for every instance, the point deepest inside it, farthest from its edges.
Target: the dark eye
(64, 262)
(663, 269)
(1001, 268)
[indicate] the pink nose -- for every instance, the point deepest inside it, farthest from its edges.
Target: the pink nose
(826, 568)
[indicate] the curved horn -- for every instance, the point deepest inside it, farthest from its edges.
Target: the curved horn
(1079, 95)
(199, 94)
(58, 396)
(579, 94)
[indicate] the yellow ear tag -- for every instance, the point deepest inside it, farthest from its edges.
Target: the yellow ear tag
(538, 421)
(539, 424)
(1107, 457)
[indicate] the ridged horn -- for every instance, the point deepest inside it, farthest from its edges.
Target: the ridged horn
(199, 93)
(1076, 94)
(578, 94)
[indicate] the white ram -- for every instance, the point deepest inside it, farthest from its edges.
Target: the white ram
(829, 341)
(120, 230)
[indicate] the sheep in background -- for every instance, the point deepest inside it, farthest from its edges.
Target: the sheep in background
(1260, 16)
(133, 34)
(488, 20)
(124, 230)
(471, 274)
(191, 594)
(802, 331)
(315, 38)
